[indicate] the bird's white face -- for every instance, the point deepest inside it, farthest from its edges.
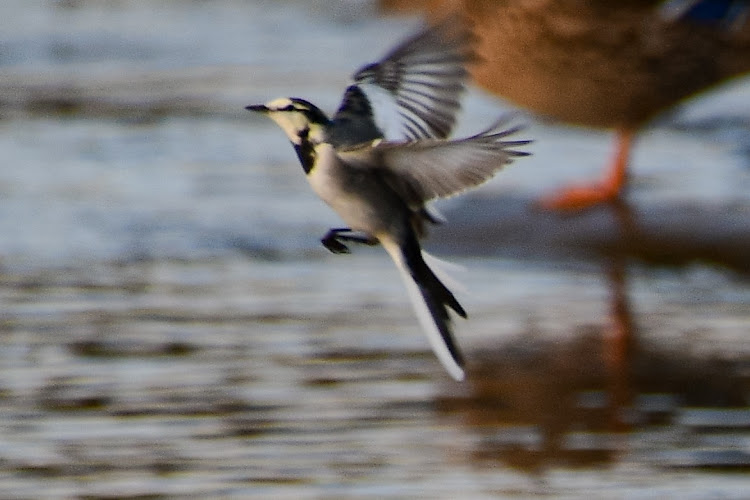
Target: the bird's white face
(291, 119)
(294, 116)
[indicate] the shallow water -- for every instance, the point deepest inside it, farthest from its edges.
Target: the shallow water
(237, 377)
(171, 327)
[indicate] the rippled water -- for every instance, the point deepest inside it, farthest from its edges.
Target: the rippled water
(171, 327)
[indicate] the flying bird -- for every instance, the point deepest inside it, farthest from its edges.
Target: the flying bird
(385, 154)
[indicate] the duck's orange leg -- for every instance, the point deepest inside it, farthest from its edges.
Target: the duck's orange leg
(585, 196)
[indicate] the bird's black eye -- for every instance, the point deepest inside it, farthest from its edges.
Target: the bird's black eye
(304, 133)
(288, 107)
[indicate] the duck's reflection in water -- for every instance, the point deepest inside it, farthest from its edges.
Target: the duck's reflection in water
(541, 405)
(601, 397)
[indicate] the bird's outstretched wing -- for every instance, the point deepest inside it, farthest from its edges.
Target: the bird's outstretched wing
(421, 171)
(412, 93)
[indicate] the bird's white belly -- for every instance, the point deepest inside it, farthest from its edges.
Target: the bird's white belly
(330, 181)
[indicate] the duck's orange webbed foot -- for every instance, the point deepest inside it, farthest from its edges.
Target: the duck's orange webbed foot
(610, 189)
(581, 197)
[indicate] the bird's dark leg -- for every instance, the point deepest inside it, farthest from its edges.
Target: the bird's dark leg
(333, 239)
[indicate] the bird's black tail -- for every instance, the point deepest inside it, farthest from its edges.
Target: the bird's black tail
(431, 300)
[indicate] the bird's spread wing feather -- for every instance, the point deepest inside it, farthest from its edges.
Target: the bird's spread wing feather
(414, 90)
(424, 170)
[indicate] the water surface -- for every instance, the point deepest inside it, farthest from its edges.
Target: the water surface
(171, 327)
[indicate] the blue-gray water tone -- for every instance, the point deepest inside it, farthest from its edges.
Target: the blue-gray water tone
(171, 326)
(162, 159)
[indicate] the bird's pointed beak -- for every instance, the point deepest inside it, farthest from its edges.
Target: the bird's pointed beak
(258, 108)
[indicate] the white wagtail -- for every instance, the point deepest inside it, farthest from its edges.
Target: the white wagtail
(384, 155)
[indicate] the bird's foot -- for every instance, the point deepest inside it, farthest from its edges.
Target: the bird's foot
(575, 198)
(334, 238)
(332, 243)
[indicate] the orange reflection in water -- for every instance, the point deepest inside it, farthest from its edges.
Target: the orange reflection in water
(599, 396)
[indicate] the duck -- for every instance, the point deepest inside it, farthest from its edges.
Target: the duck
(605, 65)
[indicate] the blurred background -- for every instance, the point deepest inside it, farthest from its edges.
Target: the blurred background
(171, 326)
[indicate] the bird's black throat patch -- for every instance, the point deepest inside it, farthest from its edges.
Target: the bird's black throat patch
(305, 150)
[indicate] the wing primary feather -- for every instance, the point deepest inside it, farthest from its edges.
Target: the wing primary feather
(425, 169)
(424, 76)
(413, 125)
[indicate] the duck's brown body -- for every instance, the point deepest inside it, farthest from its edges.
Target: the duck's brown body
(598, 63)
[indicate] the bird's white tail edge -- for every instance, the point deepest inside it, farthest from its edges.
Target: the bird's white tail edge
(445, 271)
(423, 312)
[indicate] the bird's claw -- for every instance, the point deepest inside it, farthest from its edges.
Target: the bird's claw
(334, 245)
